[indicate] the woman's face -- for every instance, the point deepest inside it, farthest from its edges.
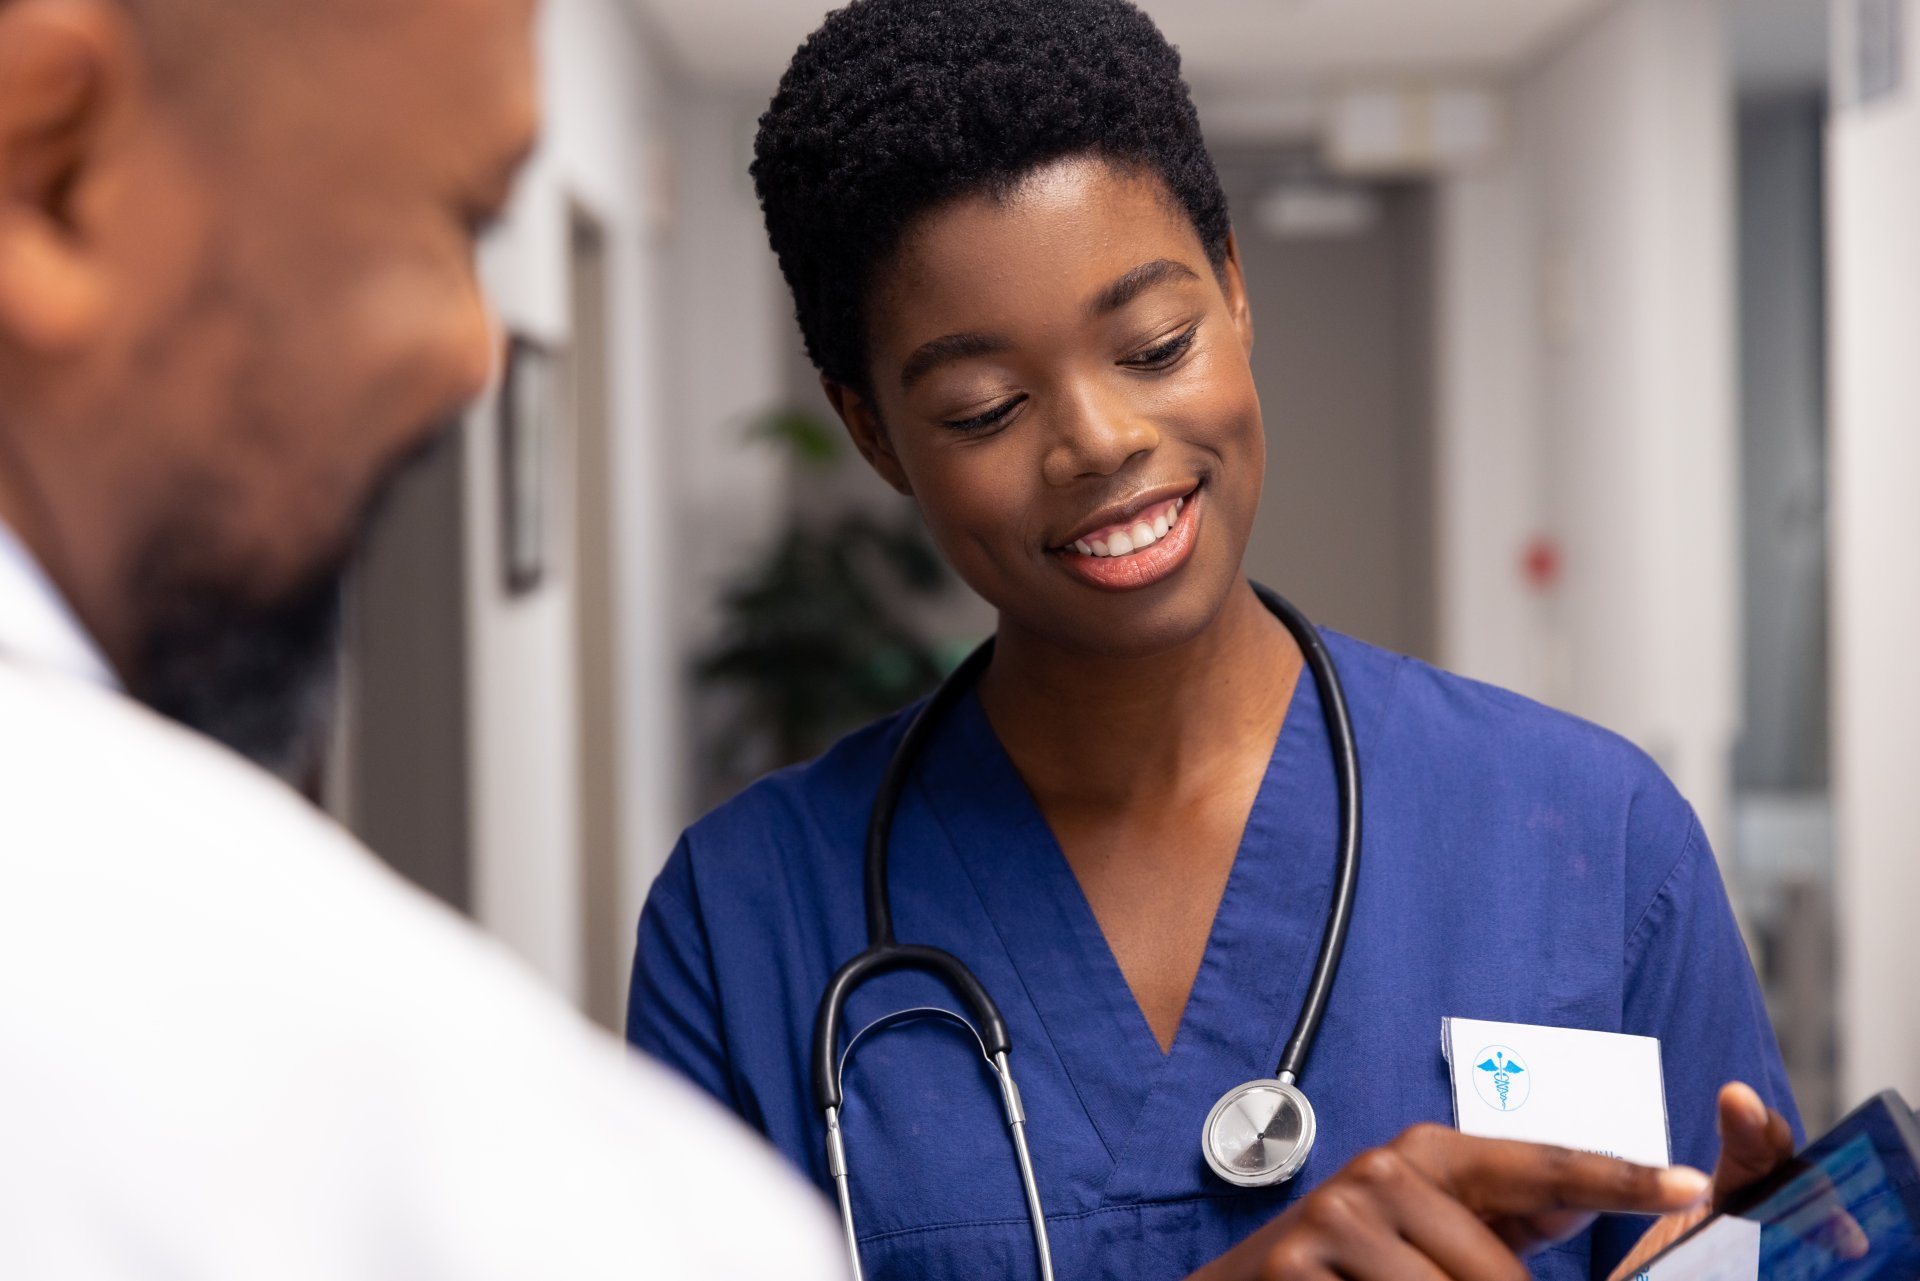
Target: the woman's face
(1060, 380)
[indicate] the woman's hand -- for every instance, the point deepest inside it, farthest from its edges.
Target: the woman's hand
(1755, 1141)
(1436, 1204)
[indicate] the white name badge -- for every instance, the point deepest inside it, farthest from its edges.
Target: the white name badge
(1592, 1091)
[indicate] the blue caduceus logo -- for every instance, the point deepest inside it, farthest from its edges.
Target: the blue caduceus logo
(1501, 1079)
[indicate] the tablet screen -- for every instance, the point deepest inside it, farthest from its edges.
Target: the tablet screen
(1863, 1174)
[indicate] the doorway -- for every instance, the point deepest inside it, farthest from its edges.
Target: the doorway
(1340, 279)
(604, 934)
(398, 767)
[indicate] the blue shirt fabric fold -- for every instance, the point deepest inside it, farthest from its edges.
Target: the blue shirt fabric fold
(1518, 864)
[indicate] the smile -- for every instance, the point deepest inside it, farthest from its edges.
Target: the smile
(1128, 537)
(1139, 550)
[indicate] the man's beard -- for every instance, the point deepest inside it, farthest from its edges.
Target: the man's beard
(260, 676)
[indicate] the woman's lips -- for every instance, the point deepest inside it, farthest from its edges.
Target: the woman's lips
(1134, 534)
(1139, 552)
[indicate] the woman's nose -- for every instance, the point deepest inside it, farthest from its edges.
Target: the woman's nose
(1096, 435)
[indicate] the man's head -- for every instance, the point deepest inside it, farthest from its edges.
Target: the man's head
(237, 292)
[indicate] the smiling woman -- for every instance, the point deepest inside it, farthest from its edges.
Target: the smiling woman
(1012, 264)
(1057, 360)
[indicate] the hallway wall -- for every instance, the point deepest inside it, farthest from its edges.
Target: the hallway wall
(1586, 388)
(1873, 211)
(602, 151)
(1341, 352)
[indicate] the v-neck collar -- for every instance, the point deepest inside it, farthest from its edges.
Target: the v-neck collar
(1146, 1107)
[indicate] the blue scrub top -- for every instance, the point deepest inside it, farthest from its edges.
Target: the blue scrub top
(1519, 864)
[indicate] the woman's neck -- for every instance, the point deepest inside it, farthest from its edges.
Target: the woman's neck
(1096, 731)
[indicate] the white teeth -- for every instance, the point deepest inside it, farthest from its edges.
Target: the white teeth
(1143, 534)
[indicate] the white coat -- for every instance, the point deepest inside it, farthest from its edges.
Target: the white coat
(234, 1047)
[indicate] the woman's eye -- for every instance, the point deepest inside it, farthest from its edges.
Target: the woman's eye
(980, 422)
(1166, 353)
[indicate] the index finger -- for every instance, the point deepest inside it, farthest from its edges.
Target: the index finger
(1505, 1177)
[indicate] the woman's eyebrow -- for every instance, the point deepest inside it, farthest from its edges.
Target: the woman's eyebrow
(951, 347)
(1136, 282)
(941, 351)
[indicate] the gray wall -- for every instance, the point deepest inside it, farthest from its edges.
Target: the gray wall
(406, 720)
(1782, 857)
(1783, 744)
(1343, 357)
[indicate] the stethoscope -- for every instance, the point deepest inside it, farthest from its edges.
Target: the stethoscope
(1260, 1133)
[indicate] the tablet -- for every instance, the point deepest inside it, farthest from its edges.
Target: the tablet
(1789, 1226)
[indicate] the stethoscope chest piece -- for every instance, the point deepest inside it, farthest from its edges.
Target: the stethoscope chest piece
(1259, 1133)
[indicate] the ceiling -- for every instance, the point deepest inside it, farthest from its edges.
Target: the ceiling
(1227, 45)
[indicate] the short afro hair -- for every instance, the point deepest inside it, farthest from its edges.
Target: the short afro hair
(895, 106)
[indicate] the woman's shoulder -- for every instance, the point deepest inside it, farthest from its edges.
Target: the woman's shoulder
(1481, 738)
(818, 804)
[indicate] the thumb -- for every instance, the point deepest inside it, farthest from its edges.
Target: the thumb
(1754, 1141)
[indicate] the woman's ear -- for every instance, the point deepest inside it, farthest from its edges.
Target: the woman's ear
(868, 432)
(1234, 283)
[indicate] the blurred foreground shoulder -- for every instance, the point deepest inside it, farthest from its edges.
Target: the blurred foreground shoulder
(250, 1050)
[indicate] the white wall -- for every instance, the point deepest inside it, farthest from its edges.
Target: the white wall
(1488, 468)
(1586, 388)
(699, 341)
(1874, 298)
(728, 339)
(603, 150)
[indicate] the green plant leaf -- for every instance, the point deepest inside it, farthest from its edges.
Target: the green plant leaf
(811, 439)
(816, 636)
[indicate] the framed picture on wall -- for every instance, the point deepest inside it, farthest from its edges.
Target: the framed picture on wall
(529, 411)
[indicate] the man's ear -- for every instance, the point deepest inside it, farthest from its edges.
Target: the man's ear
(868, 432)
(1234, 282)
(61, 64)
